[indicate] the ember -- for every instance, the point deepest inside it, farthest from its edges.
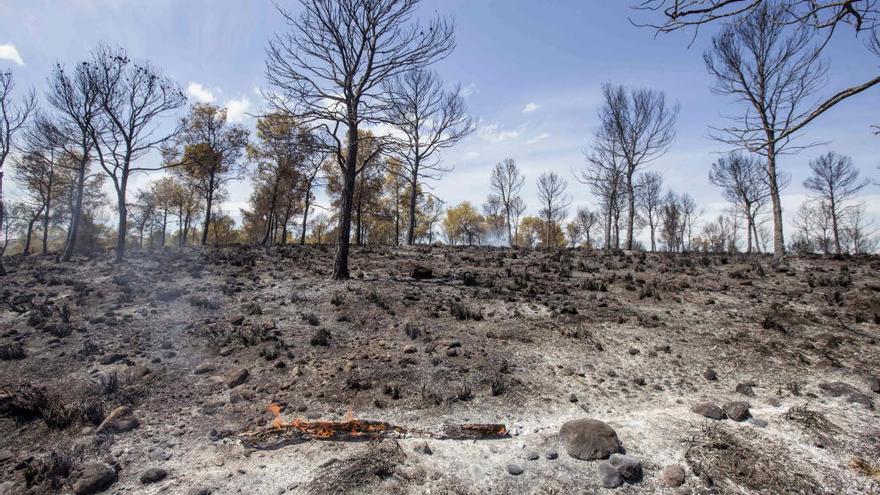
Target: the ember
(299, 430)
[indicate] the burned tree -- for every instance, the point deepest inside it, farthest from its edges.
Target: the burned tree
(636, 127)
(134, 97)
(554, 203)
(743, 182)
(835, 180)
(429, 119)
(13, 116)
(507, 182)
(207, 153)
(772, 68)
(649, 199)
(75, 98)
(862, 15)
(604, 173)
(329, 72)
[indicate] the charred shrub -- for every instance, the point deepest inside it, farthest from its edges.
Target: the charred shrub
(321, 337)
(50, 469)
(13, 351)
(463, 312)
(203, 302)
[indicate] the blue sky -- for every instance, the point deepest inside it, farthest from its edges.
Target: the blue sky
(531, 71)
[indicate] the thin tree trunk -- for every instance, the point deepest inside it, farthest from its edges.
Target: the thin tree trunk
(631, 214)
(778, 240)
(302, 234)
(209, 201)
(413, 199)
(77, 210)
(122, 209)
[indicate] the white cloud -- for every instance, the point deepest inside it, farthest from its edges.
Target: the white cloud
(495, 134)
(199, 93)
(531, 107)
(10, 52)
(539, 138)
(468, 90)
(236, 109)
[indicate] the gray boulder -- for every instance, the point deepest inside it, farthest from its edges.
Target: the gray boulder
(609, 476)
(589, 439)
(709, 410)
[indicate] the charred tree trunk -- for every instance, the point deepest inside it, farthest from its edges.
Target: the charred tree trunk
(77, 211)
(343, 231)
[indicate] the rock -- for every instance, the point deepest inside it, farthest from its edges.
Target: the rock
(860, 398)
(112, 358)
(609, 476)
(737, 410)
(237, 377)
(837, 389)
(673, 475)
(710, 375)
(760, 423)
(421, 272)
(873, 383)
(93, 478)
(321, 337)
(203, 368)
(589, 439)
(410, 349)
(200, 490)
(423, 448)
(153, 475)
(745, 389)
(532, 455)
(551, 454)
(627, 466)
(119, 420)
(237, 320)
(514, 469)
(709, 410)
(572, 398)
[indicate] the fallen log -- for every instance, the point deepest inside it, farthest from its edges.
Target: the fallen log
(281, 433)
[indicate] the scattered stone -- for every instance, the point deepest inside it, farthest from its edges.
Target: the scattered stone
(551, 454)
(119, 420)
(760, 423)
(410, 349)
(837, 389)
(572, 398)
(321, 337)
(609, 476)
(589, 439)
(515, 469)
(737, 410)
(237, 377)
(532, 455)
(152, 475)
(709, 410)
(640, 381)
(711, 375)
(873, 383)
(112, 358)
(627, 466)
(673, 475)
(93, 478)
(745, 389)
(423, 448)
(237, 320)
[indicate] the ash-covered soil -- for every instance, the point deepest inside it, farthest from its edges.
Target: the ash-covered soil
(139, 378)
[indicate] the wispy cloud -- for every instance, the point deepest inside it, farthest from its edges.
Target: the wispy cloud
(469, 89)
(237, 108)
(539, 138)
(199, 93)
(531, 107)
(10, 52)
(494, 133)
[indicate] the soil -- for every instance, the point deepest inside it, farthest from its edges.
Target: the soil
(193, 346)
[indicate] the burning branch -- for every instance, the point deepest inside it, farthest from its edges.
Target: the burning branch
(281, 433)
